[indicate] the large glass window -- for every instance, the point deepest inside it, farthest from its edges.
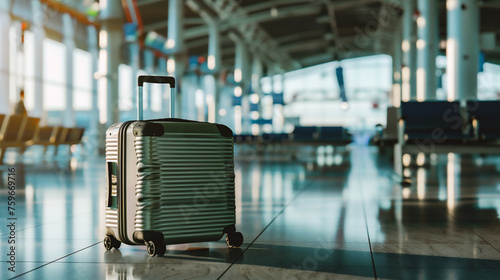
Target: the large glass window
(54, 75)
(313, 95)
(82, 80)
(125, 88)
(488, 83)
(29, 72)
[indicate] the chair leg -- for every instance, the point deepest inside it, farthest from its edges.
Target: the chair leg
(2, 154)
(398, 160)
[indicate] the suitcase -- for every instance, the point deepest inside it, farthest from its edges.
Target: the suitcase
(169, 181)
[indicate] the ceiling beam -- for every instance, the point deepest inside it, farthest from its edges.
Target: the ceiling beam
(385, 29)
(348, 4)
(164, 24)
(204, 41)
(193, 20)
(256, 18)
(198, 6)
(304, 45)
(334, 26)
(316, 59)
(343, 4)
(333, 20)
(299, 36)
(296, 11)
(147, 2)
(258, 40)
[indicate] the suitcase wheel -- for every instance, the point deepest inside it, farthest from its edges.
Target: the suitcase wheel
(111, 242)
(156, 248)
(234, 240)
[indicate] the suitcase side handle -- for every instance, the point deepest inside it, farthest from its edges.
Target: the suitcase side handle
(155, 80)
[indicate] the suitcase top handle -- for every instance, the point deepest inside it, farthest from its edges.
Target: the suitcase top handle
(155, 80)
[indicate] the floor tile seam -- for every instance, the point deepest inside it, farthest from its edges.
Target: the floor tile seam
(267, 226)
(431, 243)
(24, 229)
(54, 261)
(473, 231)
(125, 263)
(28, 261)
(172, 257)
(333, 266)
(363, 199)
(54, 239)
(436, 267)
(309, 243)
(484, 240)
(37, 226)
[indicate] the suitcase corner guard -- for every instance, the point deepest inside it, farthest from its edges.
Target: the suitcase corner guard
(143, 236)
(224, 130)
(148, 129)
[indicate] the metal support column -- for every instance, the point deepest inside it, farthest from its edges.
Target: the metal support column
(256, 77)
(4, 57)
(175, 44)
(396, 69)
(179, 61)
(255, 82)
(427, 49)
(94, 133)
(110, 40)
(279, 119)
(213, 64)
(69, 42)
(242, 77)
(175, 22)
(214, 58)
(408, 74)
(39, 36)
(462, 49)
(135, 56)
(165, 94)
(149, 65)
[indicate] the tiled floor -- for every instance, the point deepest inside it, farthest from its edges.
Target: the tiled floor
(315, 217)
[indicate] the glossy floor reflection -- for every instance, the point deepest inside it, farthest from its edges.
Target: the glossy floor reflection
(321, 214)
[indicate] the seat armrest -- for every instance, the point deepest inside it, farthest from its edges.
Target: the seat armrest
(379, 130)
(475, 128)
(401, 131)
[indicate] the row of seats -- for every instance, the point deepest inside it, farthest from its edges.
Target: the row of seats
(440, 127)
(447, 122)
(18, 131)
(265, 138)
(309, 135)
(322, 135)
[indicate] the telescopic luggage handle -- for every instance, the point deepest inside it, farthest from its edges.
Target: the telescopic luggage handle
(155, 80)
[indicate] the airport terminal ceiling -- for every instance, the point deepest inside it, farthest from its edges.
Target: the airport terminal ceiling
(296, 34)
(289, 34)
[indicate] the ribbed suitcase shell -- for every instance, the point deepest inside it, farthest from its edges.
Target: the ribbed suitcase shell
(179, 183)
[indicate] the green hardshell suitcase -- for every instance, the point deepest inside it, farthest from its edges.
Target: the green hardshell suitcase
(169, 181)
